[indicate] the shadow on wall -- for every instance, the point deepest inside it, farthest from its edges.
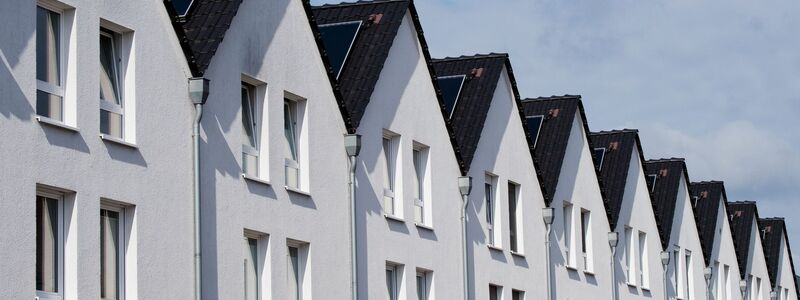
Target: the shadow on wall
(12, 99)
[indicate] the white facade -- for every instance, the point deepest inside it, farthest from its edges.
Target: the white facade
(503, 155)
(685, 273)
(578, 192)
(639, 274)
(785, 287)
(757, 273)
(404, 108)
(726, 275)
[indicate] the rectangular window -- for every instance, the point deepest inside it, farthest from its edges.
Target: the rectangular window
(687, 276)
(676, 263)
(394, 274)
(757, 289)
(651, 181)
(254, 246)
(291, 127)
(250, 129)
(534, 126)
(630, 256)
(599, 155)
(517, 295)
(390, 147)
(49, 245)
(421, 210)
(513, 218)
(111, 91)
(298, 285)
(49, 62)
(491, 220)
(726, 283)
(423, 285)
(586, 240)
(569, 233)
(643, 263)
(495, 292)
(112, 252)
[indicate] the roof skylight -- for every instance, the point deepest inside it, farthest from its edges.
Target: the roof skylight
(534, 126)
(600, 154)
(338, 39)
(451, 89)
(181, 6)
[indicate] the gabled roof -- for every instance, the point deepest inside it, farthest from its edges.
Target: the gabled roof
(773, 232)
(201, 30)
(664, 194)
(355, 84)
(554, 133)
(706, 197)
(619, 145)
(742, 215)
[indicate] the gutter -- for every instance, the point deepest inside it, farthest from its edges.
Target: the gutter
(198, 93)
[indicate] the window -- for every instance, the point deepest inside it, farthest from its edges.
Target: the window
(676, 263)
(599, 154)
(250, 129)
(292, 127)
(644, 270)
(254, 246)
(517, 295)
(112, 252)
(630, 256)
(687, 276)
(390, 147)
(495, 292)
(49, 245)
(181, 6)
(725, 283)
(393, 277)
(513, 217)
(586, 240)
(756, 289)
(338, 39)
(534, 126)
(420, 157)
(450, 87)
(651, 181)
(111, 91)
(491, 220)
(49, 63)
(297, 256)
(423, 285)
(569, 251)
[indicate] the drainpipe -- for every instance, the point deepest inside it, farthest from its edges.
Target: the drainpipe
(707, 275)
(352, 145)
(664, 264)
(465, 187)
(613, 240)
(548, 216)
(198, 93)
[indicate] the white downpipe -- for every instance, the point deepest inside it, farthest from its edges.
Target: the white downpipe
(547, 262)
(353, 244)
(196, 156)
(464, 203)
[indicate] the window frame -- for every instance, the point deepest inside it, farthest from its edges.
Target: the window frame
(46, 87)
(494, 229)
(458, 93)
(261, 259)
(517, 294)
(254, 151)
(586, 240)
(601, 158)
(352, 41)
(393, 282)
(515, 227)
(60, 245)
(653, 182)
(302, 278)
(424, 289)
(498, 291)
(643, 261)
(568, 211)
(538, 128)
(121, 245)
(292, 107)
(420, 160)
(119, 79)
(630, 256)
(390, 148)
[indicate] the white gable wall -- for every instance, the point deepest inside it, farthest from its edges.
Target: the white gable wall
(685, 237)
(724, 253)
(785, 275)
(757, 266)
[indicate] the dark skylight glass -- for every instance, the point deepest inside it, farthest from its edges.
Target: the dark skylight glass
(181, 6)
(600, 154)
(451, 89)
(338, 39)
(534, 125)
(651, 180)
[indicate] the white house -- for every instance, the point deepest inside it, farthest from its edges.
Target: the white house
(669, 183)
(580, 253)
(408, 201)
(749, 249)
(779, 258)
(711, 215)
(505, 232)
(620, 163)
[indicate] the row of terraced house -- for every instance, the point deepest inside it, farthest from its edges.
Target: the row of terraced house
(271, 149)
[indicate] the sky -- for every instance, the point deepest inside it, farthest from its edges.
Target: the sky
(714, 82)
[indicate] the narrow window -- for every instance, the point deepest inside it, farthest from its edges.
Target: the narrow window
(290, 133)
(251, 274)
(644, 268)
(490, 210)
(49, 246)
(757, 293)
(495, 292)
(423, 286)
(512, 216)
(534, 126)
(297, 264)
(112, 252)
(599, 155)
(390, 145)
(651, 181)
(517, 295)
(676, 262)
(569, 234)
(49, 85)
(687, 276)
(586, 240)
(420, 167)
(450, 86)
(630, 256)
(111, 93)
(338, 39)
(392, 281)
(250, 129)
(725, 282)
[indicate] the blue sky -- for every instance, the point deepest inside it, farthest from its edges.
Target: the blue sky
(715, 82)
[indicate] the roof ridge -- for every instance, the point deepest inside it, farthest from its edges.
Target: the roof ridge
(742, 202)
(705, 182)
(614, 131)
(774, 219)
(359, 2)
(552, 98)
(672, 159)
(473, 56)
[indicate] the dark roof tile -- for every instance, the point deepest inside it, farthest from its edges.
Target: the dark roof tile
(742, 214)
(773, 233)
(619, 145)
(706, 197)
(665, 192)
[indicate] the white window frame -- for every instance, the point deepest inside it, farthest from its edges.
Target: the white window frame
(395, 281)
(536, 134)
(569, 235)
(391, 189)
(420, 156)
(253, 151)
(630, 256)
(678, 266)
(261, 259)
(46, 87)
(424, 289)
(653, 184)
(516, 235)
(122, 246)
(294, 115)
(494, 232)
(458, 94)
(119, 75)
(515, 292)
(601, 158)
(644, 261)
(586, 241)
(303, 275)
(60, 244)
(498, 291)
(687, 276)
(352, 41)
